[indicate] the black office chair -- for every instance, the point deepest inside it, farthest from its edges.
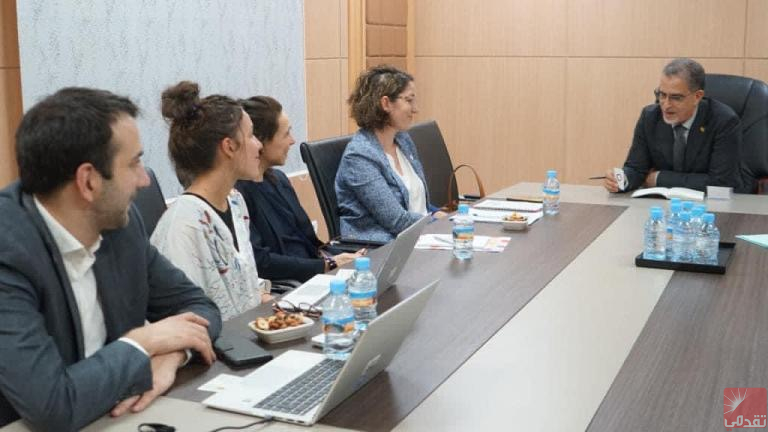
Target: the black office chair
(150, 203)
(434, 156)
(749, 99)
(323, 158)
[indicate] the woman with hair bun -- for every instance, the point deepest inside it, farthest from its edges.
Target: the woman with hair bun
(205, 232)
(380, 185)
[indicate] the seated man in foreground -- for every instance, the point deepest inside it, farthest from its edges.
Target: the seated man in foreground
(685, 139)
(78, 277)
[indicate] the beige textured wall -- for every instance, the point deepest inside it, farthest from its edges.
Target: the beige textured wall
(10, 90)
(520, 86)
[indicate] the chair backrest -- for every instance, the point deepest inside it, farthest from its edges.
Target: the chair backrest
(434, 156)
(749, 98)
(323, 158)
(150, 203)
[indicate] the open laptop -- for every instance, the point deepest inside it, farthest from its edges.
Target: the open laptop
(301, 387)
(317, 288)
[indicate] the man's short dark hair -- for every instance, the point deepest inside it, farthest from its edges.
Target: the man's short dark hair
(66, 129)
(689, 70)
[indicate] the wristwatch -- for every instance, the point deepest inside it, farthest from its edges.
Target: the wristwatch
(331, 262)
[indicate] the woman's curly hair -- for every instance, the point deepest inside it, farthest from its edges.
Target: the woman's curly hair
(371, 86)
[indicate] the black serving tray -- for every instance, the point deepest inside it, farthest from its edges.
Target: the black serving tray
(723, 257)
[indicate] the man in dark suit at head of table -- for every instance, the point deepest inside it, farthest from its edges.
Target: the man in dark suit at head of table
(93, 320)
(684, 139)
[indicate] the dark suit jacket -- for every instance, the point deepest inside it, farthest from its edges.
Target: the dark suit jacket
(712, 152)
(270, 227)
(44, 376)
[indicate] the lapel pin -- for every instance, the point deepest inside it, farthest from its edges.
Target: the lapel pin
(702, 129)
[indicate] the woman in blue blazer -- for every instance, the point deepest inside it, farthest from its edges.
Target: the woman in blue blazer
(283, 239)
(380, 185)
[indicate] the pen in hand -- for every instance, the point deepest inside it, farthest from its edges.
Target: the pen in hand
(597, 178)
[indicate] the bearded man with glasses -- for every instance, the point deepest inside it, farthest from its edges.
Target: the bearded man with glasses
(684, 139)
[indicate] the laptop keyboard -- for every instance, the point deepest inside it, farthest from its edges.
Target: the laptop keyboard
(306, 391)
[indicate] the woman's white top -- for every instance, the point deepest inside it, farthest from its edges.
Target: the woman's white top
(196, 240)
(417, 197)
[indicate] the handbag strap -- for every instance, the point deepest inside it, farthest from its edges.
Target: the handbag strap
(454, 203)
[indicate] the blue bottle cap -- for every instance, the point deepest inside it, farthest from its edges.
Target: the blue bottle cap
(687, 205)
(675, 200)
(676, 207)
(338, 286)
(709, 218)
(463, 209)
(656, 213)
(703, 207)
(551, 173)
(685, 216)
(362, 263)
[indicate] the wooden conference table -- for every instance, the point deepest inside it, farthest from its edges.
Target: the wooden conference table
(559, 332)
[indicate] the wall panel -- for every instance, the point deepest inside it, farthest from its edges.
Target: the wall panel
(10, 114)
(393, 12)
(9, 48)
(322, 28)
(490, 28)
(656, 28)
(495, 123)
(757, 28)
(385, 40)
(10, 90)
(757, 69)
(324, 96)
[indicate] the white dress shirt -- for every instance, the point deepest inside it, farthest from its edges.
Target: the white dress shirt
(417, 197)
(78, 262)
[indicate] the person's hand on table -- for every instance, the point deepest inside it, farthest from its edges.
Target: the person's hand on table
(439, 214)
(175, 333)
(164, 367)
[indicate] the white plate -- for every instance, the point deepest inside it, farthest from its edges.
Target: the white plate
(282, 335)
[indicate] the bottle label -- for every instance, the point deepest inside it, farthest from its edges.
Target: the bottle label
(362, 299)
(344, 325)
(464, 232)
(551, 191)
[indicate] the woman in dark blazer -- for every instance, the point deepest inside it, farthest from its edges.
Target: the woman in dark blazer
(283, 239)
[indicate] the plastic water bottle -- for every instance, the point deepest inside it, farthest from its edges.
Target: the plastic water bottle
(338, 322)
(696, 215)
(673, 217)
(683, 239)
(463, 233)
(655, 236)
(362, 293)
(551, 194)
(707, 240)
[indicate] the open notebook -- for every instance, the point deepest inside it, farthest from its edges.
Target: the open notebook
(675, 192)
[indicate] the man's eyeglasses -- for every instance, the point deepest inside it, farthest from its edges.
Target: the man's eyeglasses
(674, 98)
(307, 309)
